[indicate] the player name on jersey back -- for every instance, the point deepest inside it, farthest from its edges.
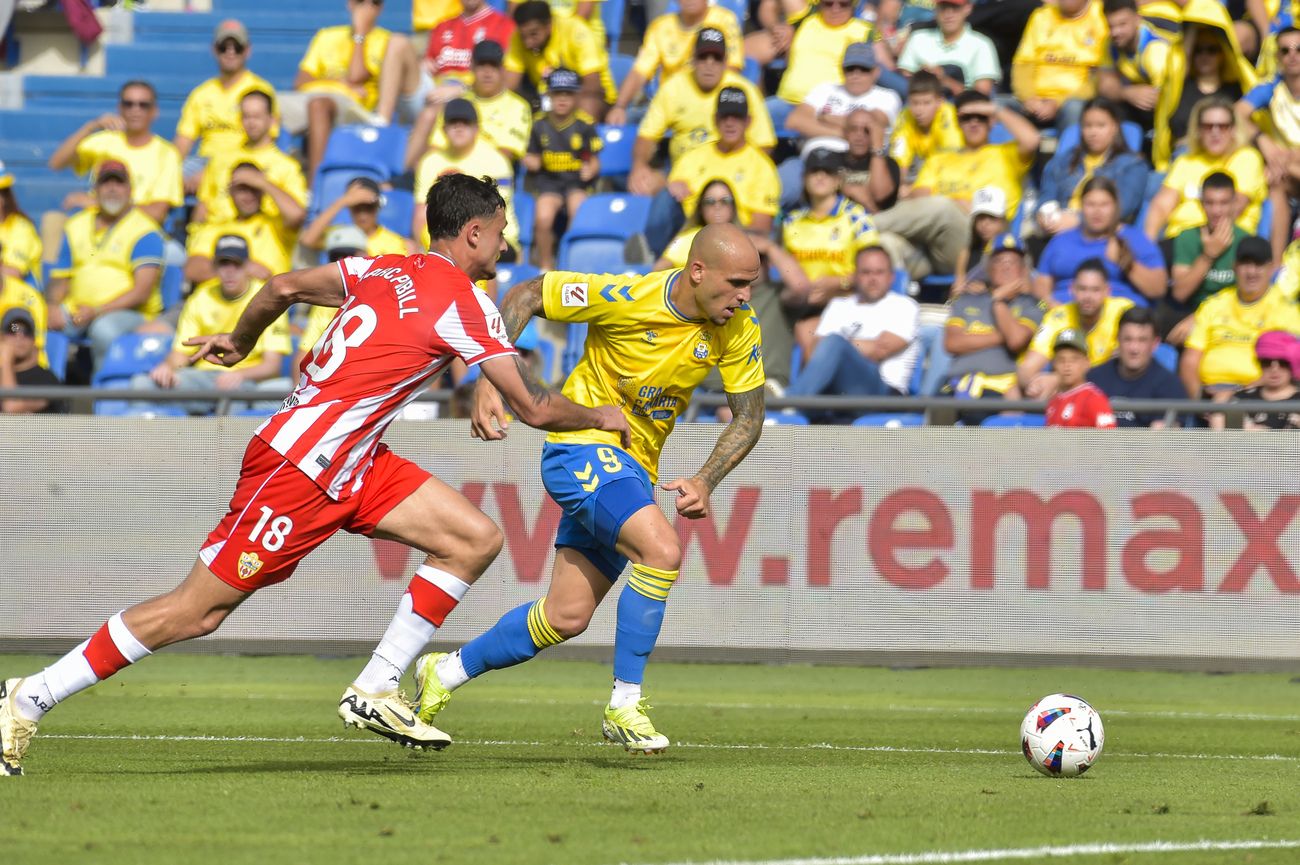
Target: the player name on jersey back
(402, 321)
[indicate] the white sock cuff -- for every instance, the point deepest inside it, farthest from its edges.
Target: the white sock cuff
(125, 641)
(449, 583)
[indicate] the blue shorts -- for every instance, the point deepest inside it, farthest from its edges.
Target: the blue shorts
(598, 487)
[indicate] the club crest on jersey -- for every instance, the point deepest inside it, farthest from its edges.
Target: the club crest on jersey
(650, 336)
(249, 565)
(573, 294)
(701, 350)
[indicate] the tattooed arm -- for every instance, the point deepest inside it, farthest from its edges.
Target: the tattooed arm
(520, 304)
(735, 443)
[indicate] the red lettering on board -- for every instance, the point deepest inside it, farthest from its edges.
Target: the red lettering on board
(988, 509)
(722, 552)
(1187, 542)
(885, 540)
(1261, 543)
(826, 510)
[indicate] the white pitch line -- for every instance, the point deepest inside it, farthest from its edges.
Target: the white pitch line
(958, 856)
(710, 746)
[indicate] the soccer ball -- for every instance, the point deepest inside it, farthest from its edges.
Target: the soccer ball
(1061, 736)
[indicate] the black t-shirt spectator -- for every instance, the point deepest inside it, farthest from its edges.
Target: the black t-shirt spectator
(1270, 419)
(1156, 382)
(39, 376)
(857, 170)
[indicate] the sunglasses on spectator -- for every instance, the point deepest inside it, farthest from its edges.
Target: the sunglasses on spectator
(1266, 362)
(722, 199)
(230, 45)
(1215, 127)
(837, 4)
(372, 2)
(972, 118)
(1284, 50)
(143, 104)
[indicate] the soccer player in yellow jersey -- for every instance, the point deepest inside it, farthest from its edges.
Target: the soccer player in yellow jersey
(1219, 356)
(667, 45)
(210, 116)
(1053, 68)
(542, 43)
(651, 341)
(127, 138)
(1092, 310)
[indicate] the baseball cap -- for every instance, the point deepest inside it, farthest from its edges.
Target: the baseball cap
(732, 102)
(488, 52)
(231, 29)
(112, 168)
(710, 41)
(859, 55)
(18, 316)
(953, 3)
(6, 179)
(231, 247)
(1006, 242)
(460, 111)
(822, 159)
(1255, 250)
(563, 80)
(345, 239)
(990, 200)
(1071, 337)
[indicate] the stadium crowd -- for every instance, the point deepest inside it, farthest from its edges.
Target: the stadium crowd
(942, 210)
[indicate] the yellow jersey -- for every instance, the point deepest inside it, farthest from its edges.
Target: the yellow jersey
(688, 113)
(1225, 331)
(211, 114)
(817, 53)
(910, 146)
(14, 293)
(279, 167)
(668, 44)
(1245, 166)
(828, 245)
(207, 311)
(1148, 62)
(505, 119)
(428, 14)
(329, 55)
(748, 170)
(1060, 54)
(20, 245)
(1103, 338)
(155, 168)
(572, 46)
(595, 21)
(958, 174)
(100, 264)
(679, 248)
(385, 242)
(1288, 278)
(483, 160)
(644, 356)
(318, 318)
(270, 244)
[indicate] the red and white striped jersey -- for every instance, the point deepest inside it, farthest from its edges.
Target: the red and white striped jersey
(403, 320)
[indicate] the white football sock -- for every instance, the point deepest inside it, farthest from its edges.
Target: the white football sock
(451, 671)
(42, 692)
(406, 637)
(625, 693)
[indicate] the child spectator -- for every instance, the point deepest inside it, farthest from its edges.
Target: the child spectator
(1080, 402)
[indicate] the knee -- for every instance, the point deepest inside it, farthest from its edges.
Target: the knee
(320, 109)
(661, 553)
(569, 621)
(483, 542)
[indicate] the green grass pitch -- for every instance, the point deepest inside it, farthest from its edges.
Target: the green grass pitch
(198, 759)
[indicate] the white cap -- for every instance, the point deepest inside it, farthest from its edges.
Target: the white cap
(990, 200)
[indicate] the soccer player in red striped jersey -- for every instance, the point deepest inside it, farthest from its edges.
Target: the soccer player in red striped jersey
(317, 465)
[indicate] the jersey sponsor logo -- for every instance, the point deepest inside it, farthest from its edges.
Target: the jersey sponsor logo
(573, 294)
(249, 565)
(651, 401)
(496, 326)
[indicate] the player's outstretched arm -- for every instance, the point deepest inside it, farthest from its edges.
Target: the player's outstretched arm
(536, 405)
(735, 443)
(319, 286)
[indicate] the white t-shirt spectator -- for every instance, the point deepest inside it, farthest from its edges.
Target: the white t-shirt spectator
(972, 53)
(831, 98)
(898, 314)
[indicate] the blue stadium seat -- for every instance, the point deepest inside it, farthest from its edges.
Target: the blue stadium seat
(399, 206)
(1265, 229)
(1167, 356)
(574, 343)
(57, 345)
(1014, 420)
(171, 286)
(525, 209)
(379, 150)
(752, 71)
(616, 152)
(597, 235)
(901, 282)
(619, 64)
(891, 420)
(785, 417)
(612, 13)
(739, 8)
(592, 254)
(331, 184)
(1131, 131)
(129, 354)
(513, 274)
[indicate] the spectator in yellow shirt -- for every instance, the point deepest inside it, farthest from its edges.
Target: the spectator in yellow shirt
(269, 238)
(684, 108)
(505, 117)
(666, 49)
(363, 200)
(1212, 147)
(127, 137)
(543, 42)
(817, 52)
(1092, 311)
(1052, 71)
(1136, 60)
(286, 188)
(210, 116)
(20, 244)
(749, 171)
(105, 282)
(214, 307)
(1219, 356)
(927, 125)
(16, 294)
